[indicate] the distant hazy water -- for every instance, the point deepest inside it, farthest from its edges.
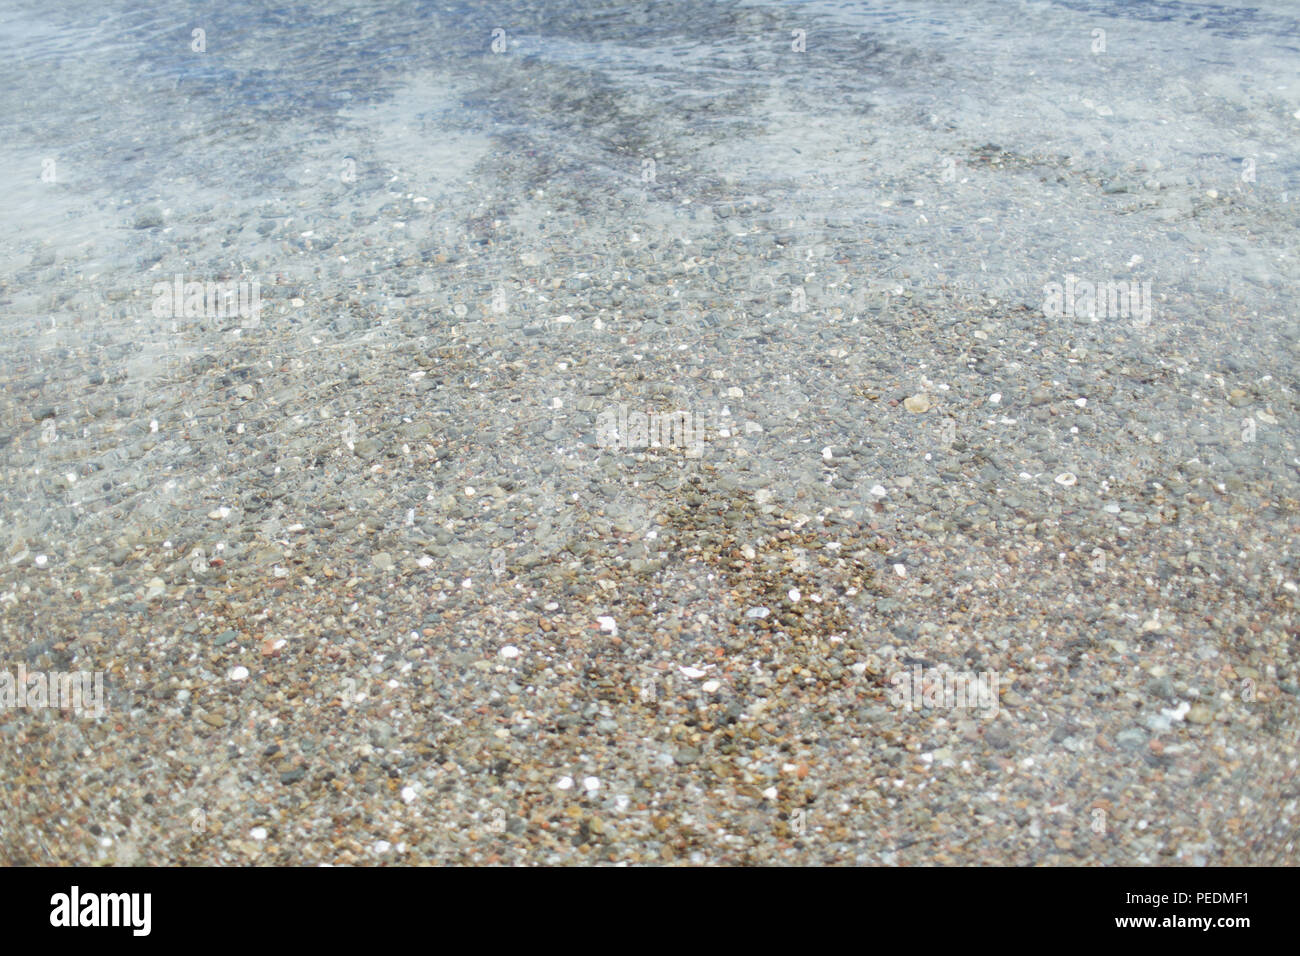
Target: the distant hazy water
(111, 106)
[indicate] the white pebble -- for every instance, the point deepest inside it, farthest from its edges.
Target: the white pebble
(1179, 712)
(1081, 402)
(238, 673)
(1066, 479)
(794, 595)
(590, 784)
(709, 686)
(382, 846)
(879, 491)
(694, 673)
(995, 398)
(258, 833)
(41, 560)
(509, 651)
(408, 794)
(608, 624)
(900, 570)
(564, 783)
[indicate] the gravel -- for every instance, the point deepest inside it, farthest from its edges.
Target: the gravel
(368, 582)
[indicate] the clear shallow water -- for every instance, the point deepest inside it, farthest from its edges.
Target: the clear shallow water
(650, 189)
(310, 59)
(984, 148)
(886, 96)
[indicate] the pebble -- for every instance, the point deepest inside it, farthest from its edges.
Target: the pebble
(147, 217)
(711, 640)
(1134, 738)
(997, 737)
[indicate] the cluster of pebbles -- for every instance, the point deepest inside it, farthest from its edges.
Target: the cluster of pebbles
(368, 585)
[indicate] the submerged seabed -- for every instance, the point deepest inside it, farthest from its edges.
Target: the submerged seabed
(367, 581)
